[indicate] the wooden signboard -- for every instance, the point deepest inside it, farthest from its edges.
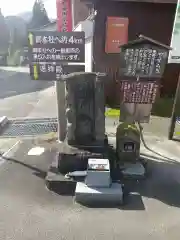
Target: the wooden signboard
(116, 33)
(143, 58)
(143, 61)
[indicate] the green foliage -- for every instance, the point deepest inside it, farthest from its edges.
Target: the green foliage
(14, 58)
(40, 17)
(5, 36)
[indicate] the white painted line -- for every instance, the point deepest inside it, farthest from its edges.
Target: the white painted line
(2, 160)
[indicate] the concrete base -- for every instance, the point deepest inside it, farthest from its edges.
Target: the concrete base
(134, 170)
(56, 182)
(71, 159)
(100, 196)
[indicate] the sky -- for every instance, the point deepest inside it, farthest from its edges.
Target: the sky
(14, 7)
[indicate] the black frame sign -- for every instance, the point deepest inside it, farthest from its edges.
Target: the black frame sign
(52, 71)
(47, 46)
(143, 58)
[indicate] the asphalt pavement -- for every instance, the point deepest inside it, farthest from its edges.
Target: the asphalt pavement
(29, 211)
(18, 93)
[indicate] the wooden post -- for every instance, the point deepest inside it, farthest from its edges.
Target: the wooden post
(64, 24)
(73, 15)
(173, 117)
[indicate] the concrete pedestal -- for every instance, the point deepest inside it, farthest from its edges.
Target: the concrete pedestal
(92, 196)
(56, 182)
(72, 159)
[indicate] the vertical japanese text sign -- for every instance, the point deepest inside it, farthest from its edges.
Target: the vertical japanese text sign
(64, 15)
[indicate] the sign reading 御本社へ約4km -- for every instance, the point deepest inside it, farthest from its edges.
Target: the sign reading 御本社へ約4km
(53, 54)
(56, 46)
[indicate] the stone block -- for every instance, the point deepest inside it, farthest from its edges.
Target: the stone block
(100, 196)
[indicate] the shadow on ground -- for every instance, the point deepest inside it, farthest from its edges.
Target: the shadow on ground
(36, 171)
(162, 182)
(14, 83)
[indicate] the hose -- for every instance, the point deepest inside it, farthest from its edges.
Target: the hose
(142, 136)
(144, 143)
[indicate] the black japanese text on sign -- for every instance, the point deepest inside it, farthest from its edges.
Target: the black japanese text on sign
(56, 46)
(143, 62)
(139, 92)
(49, 71)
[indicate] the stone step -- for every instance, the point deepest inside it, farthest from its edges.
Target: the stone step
(99, 196)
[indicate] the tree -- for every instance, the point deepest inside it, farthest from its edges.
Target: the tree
(5, 35)
(18, 32)
(40, 17)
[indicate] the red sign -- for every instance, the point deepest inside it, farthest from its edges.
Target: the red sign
(116, 33)
(64, 15)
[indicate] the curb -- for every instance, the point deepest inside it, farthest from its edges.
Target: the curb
(3, 122)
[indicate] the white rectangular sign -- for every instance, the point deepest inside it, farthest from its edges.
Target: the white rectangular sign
(174, 54)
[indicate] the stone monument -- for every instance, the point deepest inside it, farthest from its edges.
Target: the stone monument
(85, 133)
(85, 109)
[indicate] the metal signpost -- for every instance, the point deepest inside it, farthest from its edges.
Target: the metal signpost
(52, 55)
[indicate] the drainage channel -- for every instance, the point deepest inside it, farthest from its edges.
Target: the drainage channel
(29, 127)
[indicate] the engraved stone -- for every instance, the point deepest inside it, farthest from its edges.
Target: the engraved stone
(85, 109)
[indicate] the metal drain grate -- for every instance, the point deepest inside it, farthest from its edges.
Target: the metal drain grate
(30, 127)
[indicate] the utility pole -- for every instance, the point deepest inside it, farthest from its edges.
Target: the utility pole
(64, 24)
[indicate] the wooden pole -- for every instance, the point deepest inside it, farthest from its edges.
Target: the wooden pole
(72, 10)
(60, 85)
(173, 117)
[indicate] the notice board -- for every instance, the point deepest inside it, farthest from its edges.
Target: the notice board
(116, 33)
(145, 61)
